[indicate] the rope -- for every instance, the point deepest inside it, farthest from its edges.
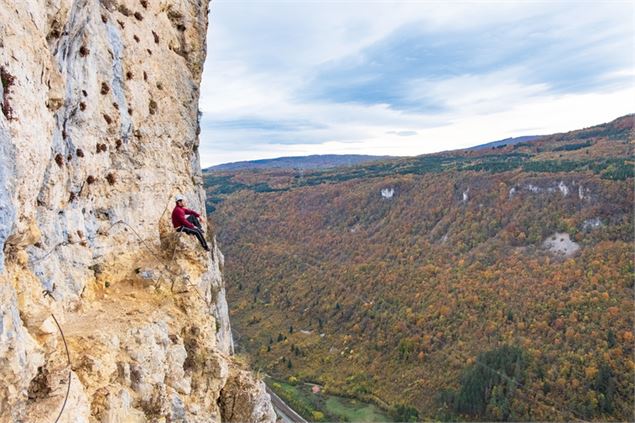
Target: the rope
(166, 266)
(36, 260)
(159, 259)
(70, 369)
(49, 293)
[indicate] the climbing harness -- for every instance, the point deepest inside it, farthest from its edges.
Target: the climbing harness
(166, 267)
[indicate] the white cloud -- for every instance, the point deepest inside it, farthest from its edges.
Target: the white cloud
(261, 55)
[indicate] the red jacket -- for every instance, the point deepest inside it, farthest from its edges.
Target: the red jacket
(178, 217)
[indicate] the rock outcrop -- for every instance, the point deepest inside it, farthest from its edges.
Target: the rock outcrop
(98, 132)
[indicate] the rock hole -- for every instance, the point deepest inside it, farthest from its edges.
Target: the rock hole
(145, 76)
(82, 106)
(104, 19)
(138, 16)
(152, 107)
(8, 81)
(39, 388)
(59, 160)
(111, 178)
(144, 3)
(83, 51)
(156, 37)
(79, 152)
(104, 88)
(84, 93)
(124, 10)
(129, 75)
(136, 38)
(108, 119)
(90, 180)
(135, 375)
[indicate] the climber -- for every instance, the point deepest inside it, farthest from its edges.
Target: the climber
(190, 225)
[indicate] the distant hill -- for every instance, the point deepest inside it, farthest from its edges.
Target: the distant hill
(406, 281)
(322, 161)
(505, 142)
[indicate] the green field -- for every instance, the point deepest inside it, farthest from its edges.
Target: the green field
(354, 411)
(324, 407)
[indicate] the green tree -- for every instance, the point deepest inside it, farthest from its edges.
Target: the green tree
(488, 385)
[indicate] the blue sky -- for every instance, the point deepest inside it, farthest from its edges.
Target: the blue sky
(286, 78)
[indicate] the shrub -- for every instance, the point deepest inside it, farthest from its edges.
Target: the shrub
(403, 413)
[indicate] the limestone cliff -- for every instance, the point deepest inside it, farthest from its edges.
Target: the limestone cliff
(98, 132)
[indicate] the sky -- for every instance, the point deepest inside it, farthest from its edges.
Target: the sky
(294, 77)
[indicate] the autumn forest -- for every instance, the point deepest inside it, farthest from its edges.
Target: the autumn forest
(482, 284)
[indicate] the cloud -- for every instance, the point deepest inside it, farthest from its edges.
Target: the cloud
(546, 51)
(293, 78)
(264, 125)
(403, 133)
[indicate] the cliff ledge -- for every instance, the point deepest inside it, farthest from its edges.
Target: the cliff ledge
(98, 132)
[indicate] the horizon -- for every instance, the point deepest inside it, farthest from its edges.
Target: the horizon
(406, 79)
(389, 157)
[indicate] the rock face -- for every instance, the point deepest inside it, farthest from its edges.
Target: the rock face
(98, 132)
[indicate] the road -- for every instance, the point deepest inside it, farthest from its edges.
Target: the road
(288, 415)
(282, 409)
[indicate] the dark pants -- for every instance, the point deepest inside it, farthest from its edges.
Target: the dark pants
(197, 231)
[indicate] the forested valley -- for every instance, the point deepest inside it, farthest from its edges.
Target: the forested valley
(490, 284)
